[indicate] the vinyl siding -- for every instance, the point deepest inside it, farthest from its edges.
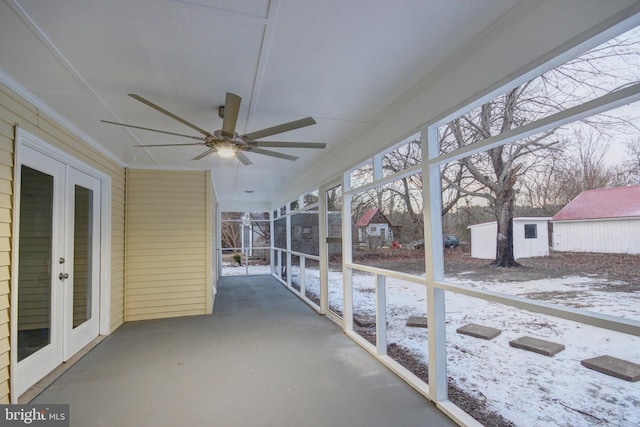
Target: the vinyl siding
(606, 236)
(15, 110)
(168, 258)
(214, 256)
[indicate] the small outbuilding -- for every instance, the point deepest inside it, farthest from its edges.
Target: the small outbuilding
(374, 229)
(606, 220)
(530, 238)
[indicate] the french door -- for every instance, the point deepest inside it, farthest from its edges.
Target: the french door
(58, 245)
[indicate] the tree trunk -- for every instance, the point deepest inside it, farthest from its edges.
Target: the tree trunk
(504, 241)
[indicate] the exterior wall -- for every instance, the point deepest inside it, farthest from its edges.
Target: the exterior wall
(609, 236)
(483, 239)
(15, 110)
(213, 255)
(168, 236)
(527, 248)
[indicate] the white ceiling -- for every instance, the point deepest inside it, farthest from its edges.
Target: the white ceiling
(342, 62)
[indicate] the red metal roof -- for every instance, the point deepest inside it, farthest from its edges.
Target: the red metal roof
(621, 202)
(366, 217)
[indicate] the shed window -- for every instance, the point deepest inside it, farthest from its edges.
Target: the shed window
(531, 231)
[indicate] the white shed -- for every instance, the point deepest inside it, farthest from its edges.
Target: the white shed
(530, 238)
(606, 220)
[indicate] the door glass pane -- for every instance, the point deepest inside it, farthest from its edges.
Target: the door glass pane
(334, 248)
(34, 270)
(82, 238)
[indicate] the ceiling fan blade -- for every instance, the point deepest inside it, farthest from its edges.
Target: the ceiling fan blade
(231, 110)
(154, 130)
(205, 154)
(284, 127)
(286, 144)
(168, 113)
(169, 145)
(243, 158)
(272, 153)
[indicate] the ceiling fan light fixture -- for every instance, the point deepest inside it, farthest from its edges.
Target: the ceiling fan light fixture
(226, 151)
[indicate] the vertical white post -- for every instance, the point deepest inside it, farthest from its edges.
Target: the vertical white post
(323, 231)
(381, 315)
(347, 256)
(377, 167)
(302, 276)
(288, 251)
(434, 263)
(272, 251)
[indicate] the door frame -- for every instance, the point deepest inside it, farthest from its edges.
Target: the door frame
(25, 139)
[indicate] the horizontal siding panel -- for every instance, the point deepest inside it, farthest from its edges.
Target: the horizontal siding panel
(5, 214)
(5, 259)
(17, 105)
(165, 300)
(137, 219)
(5, 273)
(171, 310)
(153, 275)
(165, 244)
(6, 172)
(6, 158)
(4, 392)
(4, 287)
(163, 315)
(7, 129)
(187, 227)
(140, 291)
(177, 265)
(170, 253)
(9, 116)
(153, 284)
(6, 201)
(4, 374)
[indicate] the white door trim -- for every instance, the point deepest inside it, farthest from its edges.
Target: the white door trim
(26, 139)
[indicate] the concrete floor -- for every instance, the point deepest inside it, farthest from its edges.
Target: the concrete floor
(262, 359)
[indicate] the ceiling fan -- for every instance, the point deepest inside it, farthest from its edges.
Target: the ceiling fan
(226, 142)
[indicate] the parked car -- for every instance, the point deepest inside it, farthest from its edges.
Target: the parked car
(450, 241)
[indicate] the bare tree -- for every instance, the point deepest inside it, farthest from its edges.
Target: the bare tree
(496, 175)
(632, 166)
(230, 229)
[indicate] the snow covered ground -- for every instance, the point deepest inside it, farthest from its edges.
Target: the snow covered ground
(527, 388)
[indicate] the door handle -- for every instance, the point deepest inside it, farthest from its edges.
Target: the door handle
(63, 276)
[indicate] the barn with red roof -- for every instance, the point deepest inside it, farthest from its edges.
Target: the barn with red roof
(606, 220)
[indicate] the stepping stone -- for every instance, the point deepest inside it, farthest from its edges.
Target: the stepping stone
(546, 348)
(618, 368)
(479, 331)
(417, 322)
(364, 320)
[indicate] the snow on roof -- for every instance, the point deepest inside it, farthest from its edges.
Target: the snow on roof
(620, 202)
